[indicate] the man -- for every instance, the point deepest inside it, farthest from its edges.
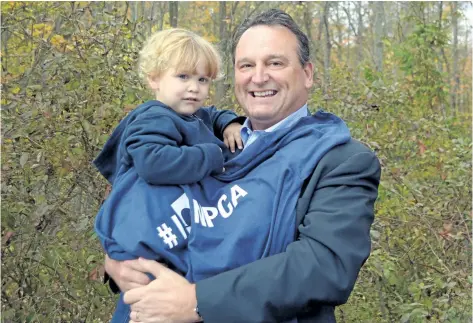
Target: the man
(273, 76)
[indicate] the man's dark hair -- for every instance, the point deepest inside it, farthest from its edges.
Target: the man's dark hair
(274, 17)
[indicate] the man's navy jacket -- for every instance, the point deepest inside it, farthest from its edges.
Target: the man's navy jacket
(317, 271)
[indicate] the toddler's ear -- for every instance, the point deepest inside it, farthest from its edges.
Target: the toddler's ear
(153, 82)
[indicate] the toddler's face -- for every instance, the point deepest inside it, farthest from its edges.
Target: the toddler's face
(183, 92)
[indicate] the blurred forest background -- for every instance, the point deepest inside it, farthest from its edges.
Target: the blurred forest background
(399, 73)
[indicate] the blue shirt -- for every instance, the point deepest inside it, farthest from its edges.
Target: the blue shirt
(249, 136)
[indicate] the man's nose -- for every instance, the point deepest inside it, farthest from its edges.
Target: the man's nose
(260, 75)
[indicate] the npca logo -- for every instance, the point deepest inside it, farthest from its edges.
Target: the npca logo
(205, 214)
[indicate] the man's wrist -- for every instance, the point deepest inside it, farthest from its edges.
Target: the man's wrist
(199, 317)
(196, 317)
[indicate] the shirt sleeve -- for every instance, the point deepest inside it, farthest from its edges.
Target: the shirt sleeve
(154, 144)
(220, 119)
(319, 268)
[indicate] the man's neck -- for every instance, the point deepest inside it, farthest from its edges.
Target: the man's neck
(256, 126)
(250, 135)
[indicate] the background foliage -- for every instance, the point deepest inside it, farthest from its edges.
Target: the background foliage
(398, 73)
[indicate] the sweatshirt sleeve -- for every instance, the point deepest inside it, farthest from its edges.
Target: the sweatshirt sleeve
(154, 144)
(319, 268)
(220, 119)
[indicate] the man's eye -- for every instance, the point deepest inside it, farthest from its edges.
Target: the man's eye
(275, 63)
(183, 76)
(245, 65)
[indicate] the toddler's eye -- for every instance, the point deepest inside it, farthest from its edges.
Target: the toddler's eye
(204, 80)
(183, 76)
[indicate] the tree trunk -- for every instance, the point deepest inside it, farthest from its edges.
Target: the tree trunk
(220, 85)
(440, 14)
(162, 10)
(359, 37)
(351, 30)
(152, 17)
(173, 13)
(308, 19)
(442, 54)
(5, 37)
(109, 5)
(378, 48)
(456, 77)
(318, 37)
(465, 95)
(141, 10)
(339, 33)
(228, 51)
(134, 18)
(389, 18)
(328, 47)
(134, 11)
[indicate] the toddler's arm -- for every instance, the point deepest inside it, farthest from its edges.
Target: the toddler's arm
(154, 145)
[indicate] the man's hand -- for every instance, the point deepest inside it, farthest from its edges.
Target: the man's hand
(168, 298)
(232, 136)
(126, 274)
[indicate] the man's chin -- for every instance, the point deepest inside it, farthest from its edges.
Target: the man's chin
(261, 120)
(259, 111)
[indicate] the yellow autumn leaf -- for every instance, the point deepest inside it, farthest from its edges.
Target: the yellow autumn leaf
(42, 30)
(211, 38)
(57, 41)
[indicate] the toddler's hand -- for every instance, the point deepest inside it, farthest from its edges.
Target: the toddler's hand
(232, 136)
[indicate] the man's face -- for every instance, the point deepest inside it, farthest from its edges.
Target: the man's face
(270, 82)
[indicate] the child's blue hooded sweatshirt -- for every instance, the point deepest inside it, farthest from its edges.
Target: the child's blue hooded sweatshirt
(228, 220)
(165, 147)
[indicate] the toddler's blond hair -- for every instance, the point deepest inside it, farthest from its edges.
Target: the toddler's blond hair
(179, 49)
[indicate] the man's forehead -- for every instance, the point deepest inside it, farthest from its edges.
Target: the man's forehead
(261, 32)
(268, 41)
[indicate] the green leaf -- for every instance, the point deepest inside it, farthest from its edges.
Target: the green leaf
(90, 259)
(23, 159)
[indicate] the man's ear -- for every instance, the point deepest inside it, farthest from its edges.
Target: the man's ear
(153, 82)
(309, 73)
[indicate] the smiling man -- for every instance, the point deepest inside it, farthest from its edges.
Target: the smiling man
(271, 82)
(334, 212)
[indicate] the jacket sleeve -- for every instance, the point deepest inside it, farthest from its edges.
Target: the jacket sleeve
(220, 119)
(320, 267)
(154, 144)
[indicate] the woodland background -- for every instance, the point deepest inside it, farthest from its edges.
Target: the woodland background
(399, 73)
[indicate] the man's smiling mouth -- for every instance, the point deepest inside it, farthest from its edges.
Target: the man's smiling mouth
(263, 94)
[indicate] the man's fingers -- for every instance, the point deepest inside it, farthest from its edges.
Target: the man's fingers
(135, 264)
(132, 285)
(137, 316)
(124, 275)
(134, 295)
(134, 272)
(153, 267)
